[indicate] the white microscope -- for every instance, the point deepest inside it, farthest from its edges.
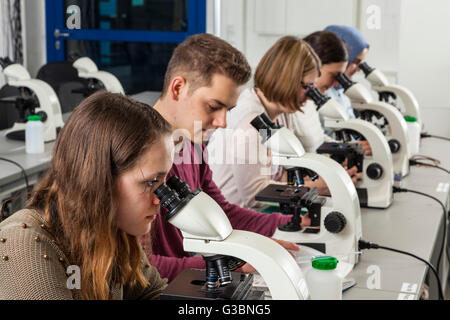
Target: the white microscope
(207, 230)
(38, 97)
(397, 130)
(87, 69)
(340, 217)
(375, 189)
(410, 109)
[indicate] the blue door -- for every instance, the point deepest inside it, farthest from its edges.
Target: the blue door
(133, 39)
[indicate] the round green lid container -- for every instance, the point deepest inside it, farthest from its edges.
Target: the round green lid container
(410, 119)
(324, 263)
(34, 117)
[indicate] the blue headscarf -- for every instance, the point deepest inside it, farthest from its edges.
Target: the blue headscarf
(352, 37)
(356, 43)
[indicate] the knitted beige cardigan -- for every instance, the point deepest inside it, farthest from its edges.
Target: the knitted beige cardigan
(33, 267)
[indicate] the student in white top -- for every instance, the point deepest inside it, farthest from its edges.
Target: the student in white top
(240, 162)
(334, 57)
(357, 50)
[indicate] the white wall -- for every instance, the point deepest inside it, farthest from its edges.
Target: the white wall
(425, 59)
(425, 50)
(410, 45)
(268, 20)
(262, 22)
(383, 33)
(35, 35)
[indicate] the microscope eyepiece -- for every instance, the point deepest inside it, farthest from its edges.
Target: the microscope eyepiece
(316, 96)
(259, 124)
(366, 68)
(344, 81)
(179, 186)
(174, 195)
(169, 199)
(269, 122)
(264, 125)
(263, 122)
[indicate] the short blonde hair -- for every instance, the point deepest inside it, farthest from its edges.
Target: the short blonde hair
(281, 70)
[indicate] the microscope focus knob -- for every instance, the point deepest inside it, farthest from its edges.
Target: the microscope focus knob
(374, 171)
(43, 115)
(394, 145)
(335, 222)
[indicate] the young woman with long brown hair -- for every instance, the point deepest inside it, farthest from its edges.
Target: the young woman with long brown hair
(90, 210)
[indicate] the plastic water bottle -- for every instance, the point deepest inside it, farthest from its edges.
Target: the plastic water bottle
(414, 134)
(323, 281)
(34, 135)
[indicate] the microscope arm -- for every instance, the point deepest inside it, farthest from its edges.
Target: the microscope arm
(16, 73)
(380, 148)
(109, 81)
(409, 101)
(276, 266)
(380, 83)
(48, 102)
(378, 168)
(207, 230)
(344, 200)
(342, 189)
(399, 132)
(87, 69)
(18, 76)
(362, 99)
(343, 209)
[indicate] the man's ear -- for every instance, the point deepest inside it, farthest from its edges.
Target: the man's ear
(177, 86)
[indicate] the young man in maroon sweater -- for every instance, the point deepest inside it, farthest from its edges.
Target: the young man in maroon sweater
(203, 81)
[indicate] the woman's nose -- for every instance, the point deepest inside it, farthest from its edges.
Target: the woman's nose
(156, 201)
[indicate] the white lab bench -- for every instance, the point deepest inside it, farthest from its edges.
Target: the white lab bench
(413, 223)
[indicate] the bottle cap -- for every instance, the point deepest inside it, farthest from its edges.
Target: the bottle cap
(34, 117)
(410, 119)
(324, 263)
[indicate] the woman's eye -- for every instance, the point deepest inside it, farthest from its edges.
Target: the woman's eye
(151, 184)
(214, 108)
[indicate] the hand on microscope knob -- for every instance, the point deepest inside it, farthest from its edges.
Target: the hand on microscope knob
(306, 221)
(365, 146)
(247, 268)
(319, 184)
(354, 174)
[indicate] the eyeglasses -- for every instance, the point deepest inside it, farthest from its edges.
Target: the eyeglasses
(307, 86)
(356, 61)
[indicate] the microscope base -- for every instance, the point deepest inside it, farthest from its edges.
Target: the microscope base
(365, 201)
(16, 135)
(190, 285)
(17, 132)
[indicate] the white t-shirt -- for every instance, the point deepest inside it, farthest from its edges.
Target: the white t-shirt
(306, 126)
(240, 162)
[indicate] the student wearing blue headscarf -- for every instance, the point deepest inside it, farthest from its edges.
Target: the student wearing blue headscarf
(358, 48)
